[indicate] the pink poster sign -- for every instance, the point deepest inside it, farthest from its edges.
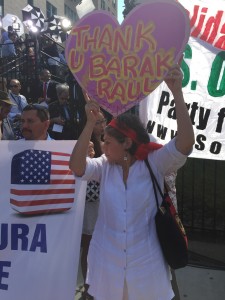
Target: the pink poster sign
(119, 65)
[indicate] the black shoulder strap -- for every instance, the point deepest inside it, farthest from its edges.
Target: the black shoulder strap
(154, 182)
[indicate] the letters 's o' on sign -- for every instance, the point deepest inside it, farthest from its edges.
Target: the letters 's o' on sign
(119, 65)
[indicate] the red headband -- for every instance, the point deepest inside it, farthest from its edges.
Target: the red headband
(126, 131)
(142, 149)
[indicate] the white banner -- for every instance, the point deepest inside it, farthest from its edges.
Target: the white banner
(39, 251)
(203, 88)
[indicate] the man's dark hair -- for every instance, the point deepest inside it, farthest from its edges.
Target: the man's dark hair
(43, 71)
(10, 28)
(42, 111)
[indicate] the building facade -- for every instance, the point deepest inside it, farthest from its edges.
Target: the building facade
(66, 8)
(109, 5)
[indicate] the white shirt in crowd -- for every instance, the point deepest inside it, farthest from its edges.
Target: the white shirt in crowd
(20, 102)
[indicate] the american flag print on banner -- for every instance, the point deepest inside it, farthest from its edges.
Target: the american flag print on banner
(41, 182)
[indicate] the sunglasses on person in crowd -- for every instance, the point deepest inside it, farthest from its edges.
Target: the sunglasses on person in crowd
(15, 85)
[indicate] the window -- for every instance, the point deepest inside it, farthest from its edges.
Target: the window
(102, 4)
(1, 7)
(114, 3)
(70, 14)
(31, 2)
(50, 9)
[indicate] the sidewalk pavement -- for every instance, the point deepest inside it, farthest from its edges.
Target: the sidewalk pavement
(197, 283)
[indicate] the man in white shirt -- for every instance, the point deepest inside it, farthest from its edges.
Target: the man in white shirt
(35, 121)
(19, 100)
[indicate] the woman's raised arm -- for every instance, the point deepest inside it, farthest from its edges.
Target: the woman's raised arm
(185, 135)
(78, 157)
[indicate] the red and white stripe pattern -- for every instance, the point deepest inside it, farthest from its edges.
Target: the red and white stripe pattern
(41, 182)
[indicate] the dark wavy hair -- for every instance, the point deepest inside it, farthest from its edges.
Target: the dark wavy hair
(131, 121)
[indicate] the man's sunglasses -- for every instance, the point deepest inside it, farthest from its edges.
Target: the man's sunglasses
(16, 86)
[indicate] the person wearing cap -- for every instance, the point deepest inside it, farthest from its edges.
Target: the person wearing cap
(5, 107)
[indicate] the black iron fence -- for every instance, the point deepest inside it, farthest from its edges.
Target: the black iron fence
(201, 196)
(26, 65)
(201, 203)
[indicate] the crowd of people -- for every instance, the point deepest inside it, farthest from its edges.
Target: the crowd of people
(25, 57)
(57, 98)
(12, 45)
(37, 78)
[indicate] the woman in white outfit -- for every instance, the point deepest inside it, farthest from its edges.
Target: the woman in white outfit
(125, 260)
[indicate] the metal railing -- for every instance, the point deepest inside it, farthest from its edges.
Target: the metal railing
(26, 65)
(200, 193)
